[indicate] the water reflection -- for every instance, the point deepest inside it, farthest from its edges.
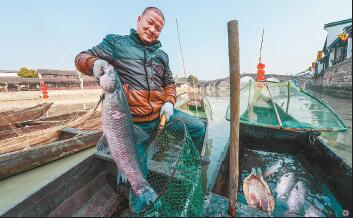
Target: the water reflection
(341, 142)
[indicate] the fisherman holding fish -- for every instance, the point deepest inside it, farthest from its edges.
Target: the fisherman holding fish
(143, 69)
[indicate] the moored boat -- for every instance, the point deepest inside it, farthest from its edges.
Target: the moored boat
(64, 137)
(9, 118)
(33, 125)
(278, 112)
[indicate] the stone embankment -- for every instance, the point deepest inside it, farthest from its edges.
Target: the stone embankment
(335, 80)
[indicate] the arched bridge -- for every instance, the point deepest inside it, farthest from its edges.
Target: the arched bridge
(224, 82)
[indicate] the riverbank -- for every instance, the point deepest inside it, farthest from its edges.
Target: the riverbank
(64, 100)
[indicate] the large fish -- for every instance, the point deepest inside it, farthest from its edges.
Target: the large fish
(119, 132)
(296, 199)
(274, 168)
(285, 185)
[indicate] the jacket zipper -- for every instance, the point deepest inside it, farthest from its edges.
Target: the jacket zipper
(148, 83)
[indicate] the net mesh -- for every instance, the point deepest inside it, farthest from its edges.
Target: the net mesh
(282, 104)
(175, 173)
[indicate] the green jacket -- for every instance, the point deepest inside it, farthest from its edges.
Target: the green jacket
(143, 69)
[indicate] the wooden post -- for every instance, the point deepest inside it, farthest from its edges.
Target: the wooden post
(234, 69)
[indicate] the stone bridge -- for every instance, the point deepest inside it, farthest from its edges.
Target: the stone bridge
(224, 82)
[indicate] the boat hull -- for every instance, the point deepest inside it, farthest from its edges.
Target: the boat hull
(71, 141)
(274, 139)
(334, 172)
(76, 192)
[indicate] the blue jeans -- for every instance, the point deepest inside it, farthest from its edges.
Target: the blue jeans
(195, 127)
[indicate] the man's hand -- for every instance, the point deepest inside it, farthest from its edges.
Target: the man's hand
(167, 110)
(98, 68)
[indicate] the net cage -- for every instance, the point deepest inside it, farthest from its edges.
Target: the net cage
(175, 173)
(284, 105)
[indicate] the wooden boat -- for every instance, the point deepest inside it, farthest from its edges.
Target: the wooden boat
(50, 144)
(198, 106)
(70, 141)
(33, 125)
(279, 112)
(8, 118)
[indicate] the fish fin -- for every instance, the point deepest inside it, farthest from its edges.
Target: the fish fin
(259, 171)
(121, 178)
(142, 201)
(102, 145)
(253, 171)
(140, 135)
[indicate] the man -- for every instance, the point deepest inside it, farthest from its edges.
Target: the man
(145, 75)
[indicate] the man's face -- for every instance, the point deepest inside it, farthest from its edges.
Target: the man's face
(149, 26)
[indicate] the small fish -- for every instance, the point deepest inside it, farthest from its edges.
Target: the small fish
(285, 185)
(296, 198)
(257, 193)
(274, 168)
(119, 133)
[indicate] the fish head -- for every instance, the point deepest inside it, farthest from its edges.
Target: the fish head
(108, 80)
(257, 193)
(285, 185)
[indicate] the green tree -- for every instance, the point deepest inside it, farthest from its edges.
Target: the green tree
(25, 72)
(192, 79)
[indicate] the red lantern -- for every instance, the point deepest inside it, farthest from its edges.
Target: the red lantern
(260, 72)
(43, 88)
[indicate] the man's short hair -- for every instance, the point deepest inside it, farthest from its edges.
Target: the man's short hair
(157, 10)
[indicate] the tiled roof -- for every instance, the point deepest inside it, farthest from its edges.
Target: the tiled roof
(56, 72)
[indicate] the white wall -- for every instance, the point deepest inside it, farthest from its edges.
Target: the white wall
(8, 74)
(334, 31)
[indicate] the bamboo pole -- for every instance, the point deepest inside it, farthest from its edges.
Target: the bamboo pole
(274, 106)
(234, 70)
(288, 97)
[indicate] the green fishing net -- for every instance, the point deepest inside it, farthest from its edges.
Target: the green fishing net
(284, 105)
(174, 166)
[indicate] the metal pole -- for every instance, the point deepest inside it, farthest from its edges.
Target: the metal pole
(234, 70)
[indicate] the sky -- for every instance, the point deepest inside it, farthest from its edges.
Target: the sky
(50, 33)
